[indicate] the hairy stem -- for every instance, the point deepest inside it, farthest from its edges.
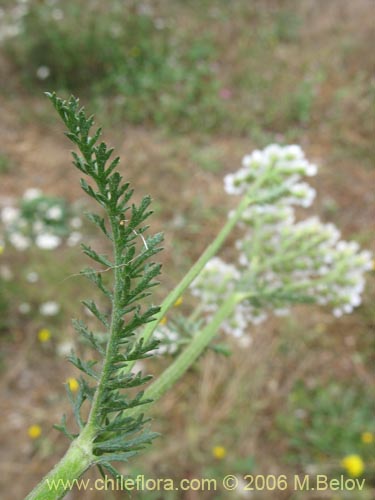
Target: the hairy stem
(113, 333)
(61, 478)
(186, 359)
(210, 252)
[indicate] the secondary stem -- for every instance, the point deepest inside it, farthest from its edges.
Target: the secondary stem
(210, 251)
(199, 342)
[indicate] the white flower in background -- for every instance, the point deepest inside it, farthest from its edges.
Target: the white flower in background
(19, 241)
(238, 324)
(281, 261)
(32, 194)
(311, 253)
(24, 308)
(74, 238)
(217, 279)
(302, 194)
(168, 340)
(76, 222)
(54, 213)
(49, 308)
(9, 31)
(280, 166)
(32, 277)
(9, 215)
(65, 348)
(6, 273)
(270, 216)
(43, 72)
(57, 14)
(19, 11)
(38, 226)
(47, 241)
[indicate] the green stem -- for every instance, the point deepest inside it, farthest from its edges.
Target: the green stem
(79, 456)
(185, 360)
(112, 345)
(62, 477)
(210, 252)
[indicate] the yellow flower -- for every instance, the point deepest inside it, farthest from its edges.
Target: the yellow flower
(163, 320)
(178, 302)
(353, 464)
(73, 384)
(219, 452)
(44, 335)
(34, 431)
(367, 437)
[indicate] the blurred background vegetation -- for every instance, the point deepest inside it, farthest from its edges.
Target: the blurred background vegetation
(184, 89)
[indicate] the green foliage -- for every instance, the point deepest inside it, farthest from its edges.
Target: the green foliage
(106, 386)
(4, 306)
(286, 25)
(326, 422)
(5, 163)
(148, 74)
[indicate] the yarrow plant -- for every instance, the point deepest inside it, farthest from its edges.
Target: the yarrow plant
(281, 262)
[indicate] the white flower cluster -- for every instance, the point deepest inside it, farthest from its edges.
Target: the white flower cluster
(278, 166)
(214, 285)
(41, 220)
(310, 254)
(217, 280)
(282, 261)
(12, 18)
(169, 340)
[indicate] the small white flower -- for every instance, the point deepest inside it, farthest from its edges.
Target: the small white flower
(168, 340)
(311, 169)
(43, 72)
(31, 194)
(74, 238)
(38, 226)
(302, 194)
(49, 308)
(293, 152)
(57, 14)
(24, 308)
(19, 241)
(54, 213)
(76, 222)
(6, 273)
(32, 277)
(337, 312)
(47, 241)
(9, 215)
(65, 348)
